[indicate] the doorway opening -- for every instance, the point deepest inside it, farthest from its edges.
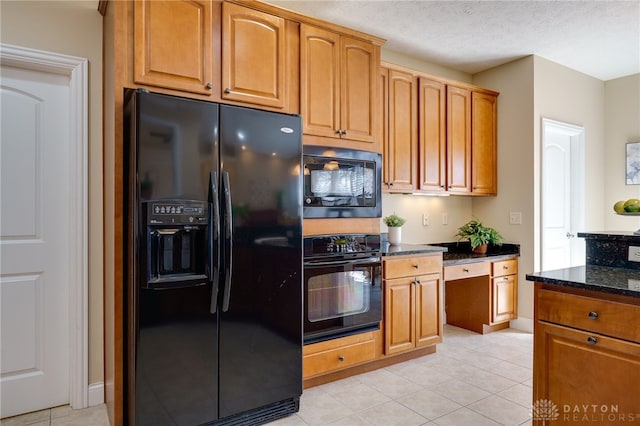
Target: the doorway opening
(562, 195)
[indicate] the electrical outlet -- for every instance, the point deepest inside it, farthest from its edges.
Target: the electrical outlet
(515, 218)
(445, 219)
(634, 254)
(634, 285)
(425, 219)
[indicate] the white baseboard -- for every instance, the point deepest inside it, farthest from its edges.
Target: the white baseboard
(522, 324)
(96, 394)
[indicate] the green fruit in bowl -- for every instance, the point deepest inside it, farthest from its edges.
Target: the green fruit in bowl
(619, 206)
(631, 202)
(632, 208)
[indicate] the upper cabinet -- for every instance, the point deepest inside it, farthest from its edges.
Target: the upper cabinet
(454, 127)
(338, 81)
(173, 45)
(484, 128)
(253, 56)
(400, 131)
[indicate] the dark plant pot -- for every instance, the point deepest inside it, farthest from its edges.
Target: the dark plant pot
(481, 249)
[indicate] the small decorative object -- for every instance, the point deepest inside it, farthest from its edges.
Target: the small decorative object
(633, 163)
(394, 222)
(478, 235)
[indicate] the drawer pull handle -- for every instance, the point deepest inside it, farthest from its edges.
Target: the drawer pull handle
(227, 91)
(592, 340)
(341, 358)
(593, 315)
(416, 266)
(465, 269)
(505, 267)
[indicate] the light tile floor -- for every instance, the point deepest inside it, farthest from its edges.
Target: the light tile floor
(472, 379)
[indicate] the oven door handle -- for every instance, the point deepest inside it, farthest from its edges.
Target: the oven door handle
(366, 261)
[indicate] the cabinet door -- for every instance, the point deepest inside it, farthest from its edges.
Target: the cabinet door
(399, 315)
(505, 298)
(319, 81)
(458, 140)
(174, 45)
(483, 144)
(358, 71)
(589, 378)
(428, 310)
(253, 56)
(432, 135)
(383, 113)
(402, 143)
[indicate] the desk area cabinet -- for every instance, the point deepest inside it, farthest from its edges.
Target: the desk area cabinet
(481, 296)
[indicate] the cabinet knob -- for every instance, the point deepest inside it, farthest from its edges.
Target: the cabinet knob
(593, 315)
(208, 86)
(505, 267)
(338, 131)
(592, 340)
(416, 266)
(227, 91)
(465, 269)
(343, 132)
(340, 358)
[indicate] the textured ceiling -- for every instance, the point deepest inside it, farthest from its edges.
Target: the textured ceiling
(598, 38)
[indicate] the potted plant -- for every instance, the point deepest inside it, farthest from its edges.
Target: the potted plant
(478, 235)
(394, 223)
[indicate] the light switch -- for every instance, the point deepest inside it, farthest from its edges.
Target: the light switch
(634, 254)
(515, 218)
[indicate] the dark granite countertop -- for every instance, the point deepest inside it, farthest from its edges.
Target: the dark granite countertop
(453, 253)
(611, 235)
(595, 278)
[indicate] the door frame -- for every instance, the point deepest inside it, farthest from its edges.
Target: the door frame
(76, 69)
(577, 135)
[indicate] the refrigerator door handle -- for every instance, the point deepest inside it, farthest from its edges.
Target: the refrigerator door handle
(228, 237)
(214, 238)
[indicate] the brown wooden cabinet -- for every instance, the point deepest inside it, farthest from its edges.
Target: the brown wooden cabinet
(254, 56)
(337, 354)
(412, 302)
(504, 291)
(481, 296)
(484, 136)
(452, 144)
(173, 45)
(586, 357)
(458, 140)
(401, 131)
(432, 133)
(338, 80)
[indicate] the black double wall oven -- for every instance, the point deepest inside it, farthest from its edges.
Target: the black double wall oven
(342, 286)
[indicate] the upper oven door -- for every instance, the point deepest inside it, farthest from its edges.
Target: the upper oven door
(341, 183)
(342, 297)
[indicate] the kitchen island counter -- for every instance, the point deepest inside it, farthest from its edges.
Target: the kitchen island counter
(603, 279)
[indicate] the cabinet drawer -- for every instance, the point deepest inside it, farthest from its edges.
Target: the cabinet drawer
(411, 266)
(599, 316)
(467, 270)
(338, 358)
(504, 267)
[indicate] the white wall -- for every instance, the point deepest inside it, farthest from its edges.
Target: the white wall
(72, 28)
(622, 115)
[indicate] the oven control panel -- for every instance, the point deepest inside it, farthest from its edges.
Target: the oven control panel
(331, 245)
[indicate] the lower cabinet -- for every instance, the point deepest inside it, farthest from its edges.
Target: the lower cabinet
(337, 354)
(586, 366)
(412, 303)
(481, 296)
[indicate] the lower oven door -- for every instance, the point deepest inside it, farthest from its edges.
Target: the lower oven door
(343, 297)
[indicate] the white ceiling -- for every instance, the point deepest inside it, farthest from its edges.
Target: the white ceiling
(598, 38)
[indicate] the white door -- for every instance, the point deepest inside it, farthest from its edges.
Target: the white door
(562, 195)
(37, 238)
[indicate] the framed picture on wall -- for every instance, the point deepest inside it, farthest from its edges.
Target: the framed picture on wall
(633, 163)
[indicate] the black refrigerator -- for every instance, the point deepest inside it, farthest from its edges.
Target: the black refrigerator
(213, 280)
